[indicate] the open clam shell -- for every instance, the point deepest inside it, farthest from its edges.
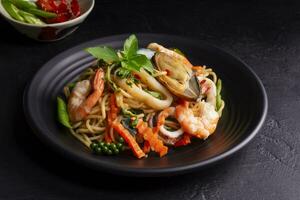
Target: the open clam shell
(179, 79)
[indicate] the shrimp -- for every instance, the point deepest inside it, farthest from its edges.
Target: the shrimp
(81, 101)
(199, 121)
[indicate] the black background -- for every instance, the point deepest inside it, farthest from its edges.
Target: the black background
(266, 35)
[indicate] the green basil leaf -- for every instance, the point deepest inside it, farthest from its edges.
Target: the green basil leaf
(131, 66)
(62, 113)
(130, 46)
(105, 53)
(143, 62)
(123, 72)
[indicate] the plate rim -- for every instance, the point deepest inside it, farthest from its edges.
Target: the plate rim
(142, 172)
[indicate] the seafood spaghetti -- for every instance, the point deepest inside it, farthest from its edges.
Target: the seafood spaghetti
(141, 100)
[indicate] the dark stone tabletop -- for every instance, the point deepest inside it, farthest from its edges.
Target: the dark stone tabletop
(265, 34)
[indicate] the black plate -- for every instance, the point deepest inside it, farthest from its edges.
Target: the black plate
(243, 116)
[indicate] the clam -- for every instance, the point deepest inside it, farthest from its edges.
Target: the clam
(179, 79)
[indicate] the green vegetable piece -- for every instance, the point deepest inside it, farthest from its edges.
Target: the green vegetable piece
(123, 72)
(30, 18)
(113, 146)
(137, 62)
(121, 140)
(24, 4)
(62, 112)
(101, 144)
(218, 102)
(105, 53)
(108, 78)
(143, 61)
(109, 152)
(71, 85)
(218, 97)
(104, 149)
(219, 86)
(130, 46)
(93, 145)
(12, 10)
(98, 150)
(41, 13)
(134, 122)
(116, 151)
(119, 145)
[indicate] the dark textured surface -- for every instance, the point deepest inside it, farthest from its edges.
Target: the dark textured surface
(265, 35)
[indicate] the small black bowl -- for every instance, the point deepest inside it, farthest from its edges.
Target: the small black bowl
(243, 116)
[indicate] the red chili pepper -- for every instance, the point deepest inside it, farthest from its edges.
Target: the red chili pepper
(46, 5)
(75, 8)
(62, 17)
(185, 140)
(64, 9)
(146, 147)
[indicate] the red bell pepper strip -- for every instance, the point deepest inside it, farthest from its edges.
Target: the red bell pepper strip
(185, 140)
(146, 147)
(138, 152)
(155, 143)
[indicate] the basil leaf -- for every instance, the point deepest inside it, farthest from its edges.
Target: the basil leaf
(131, 66)
(105, 53)
(123, 72)
(130, 46)
(143, 62)
(62, 113)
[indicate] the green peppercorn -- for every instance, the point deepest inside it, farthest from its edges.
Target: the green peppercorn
(98, 150)
(119, 145)
(107, 144)
(121, 140)
(101, 144)
(93, 145)
(109, 152)
(104, 149)
(116, 151)
(113, 146)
